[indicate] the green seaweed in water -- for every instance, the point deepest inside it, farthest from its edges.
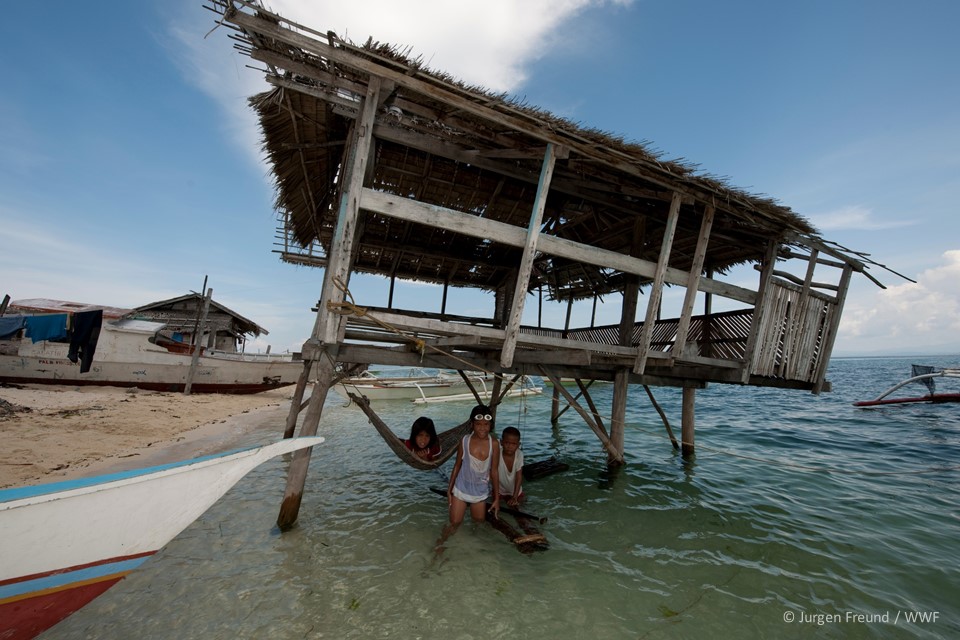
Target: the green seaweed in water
(354, 604)
(667, 611)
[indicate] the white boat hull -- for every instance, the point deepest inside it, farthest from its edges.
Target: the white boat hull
(65, 543)
(124, 357)
(427, 389)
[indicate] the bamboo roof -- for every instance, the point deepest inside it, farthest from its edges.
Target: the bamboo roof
(460, 147)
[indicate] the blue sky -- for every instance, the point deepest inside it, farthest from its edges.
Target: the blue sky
(130, 165)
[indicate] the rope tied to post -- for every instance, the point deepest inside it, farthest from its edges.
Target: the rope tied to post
(349, 307)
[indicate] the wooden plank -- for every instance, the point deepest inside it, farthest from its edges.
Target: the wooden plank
(759, 312)
(439, 327)
(656, 287)
(831, 332)
(341, 249)
(693, 282)
(608, 446)
(526, 262)
(473, 226)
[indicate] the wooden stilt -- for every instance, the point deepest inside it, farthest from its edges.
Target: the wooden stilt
(663, 416)
(612, 452)
(555, 406)
(327, 330)
(297, 475)
(297, 400)
(688, 421)
(618, 413)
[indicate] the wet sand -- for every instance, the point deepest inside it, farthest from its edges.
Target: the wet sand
(50, 433)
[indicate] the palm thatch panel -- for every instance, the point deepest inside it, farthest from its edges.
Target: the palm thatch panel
(446, 144)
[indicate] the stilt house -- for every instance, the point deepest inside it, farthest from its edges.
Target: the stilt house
(384, 167)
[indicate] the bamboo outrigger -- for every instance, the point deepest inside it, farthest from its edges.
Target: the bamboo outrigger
(385, 167)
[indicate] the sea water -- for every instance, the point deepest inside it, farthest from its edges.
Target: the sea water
(800, 516)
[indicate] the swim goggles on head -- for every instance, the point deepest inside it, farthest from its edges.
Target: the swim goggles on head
(483, 416)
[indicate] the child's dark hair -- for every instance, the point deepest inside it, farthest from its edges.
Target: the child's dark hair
(423, 423)
(510, 431)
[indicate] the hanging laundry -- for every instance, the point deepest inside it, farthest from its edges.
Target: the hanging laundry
(83, 342)
(10, 325)
(48, 327)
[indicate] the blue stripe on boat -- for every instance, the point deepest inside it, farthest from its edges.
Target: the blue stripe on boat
(19, 493)
(69, 577)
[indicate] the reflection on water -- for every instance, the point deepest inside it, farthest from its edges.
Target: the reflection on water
(796, 505)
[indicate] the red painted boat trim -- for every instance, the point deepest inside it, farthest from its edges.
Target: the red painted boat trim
(936, 399)
(26, 615)
(236, 389)
(78, 567)
(26, 618)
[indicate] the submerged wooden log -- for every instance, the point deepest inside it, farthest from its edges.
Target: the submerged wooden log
(537, 470)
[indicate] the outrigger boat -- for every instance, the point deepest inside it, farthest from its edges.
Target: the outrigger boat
(922, 374)
(65, 543)
(421, 387)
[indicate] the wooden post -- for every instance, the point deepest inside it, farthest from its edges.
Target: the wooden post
(555, 406)
(707, 336)
(322, 345)
(688, 421)
(766, 272)
(3, 305)
(656, 287)
(618, 412)
(195, 359)
(297, 476)
(628, 319)
(587, 417)
(826, 347)
(693, 285)
(291, 424)
(529, 253)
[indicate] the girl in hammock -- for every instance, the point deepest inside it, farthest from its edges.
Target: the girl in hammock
(472, 481)
(423, 439)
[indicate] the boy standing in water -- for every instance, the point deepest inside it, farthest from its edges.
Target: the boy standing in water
(511, 467)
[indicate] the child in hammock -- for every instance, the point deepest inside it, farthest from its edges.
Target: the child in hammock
(511, 467)
(423, 439)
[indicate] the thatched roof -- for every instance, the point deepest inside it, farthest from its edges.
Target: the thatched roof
(464, 148)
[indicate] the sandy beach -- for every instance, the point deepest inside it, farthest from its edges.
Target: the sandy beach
(50, 433)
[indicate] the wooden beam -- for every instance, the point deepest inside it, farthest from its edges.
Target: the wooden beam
(826, 346)
(759, 310)
(656, 287)
(341, 246)
(526, 262)
(688, 422)
(439, 327)
(327, 331)
(474, 226)
(693, 282)
(612, 452)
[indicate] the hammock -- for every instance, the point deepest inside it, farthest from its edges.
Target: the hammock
(449, 440)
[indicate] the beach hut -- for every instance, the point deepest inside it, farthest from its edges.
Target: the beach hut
(383, 166)
(223, 329)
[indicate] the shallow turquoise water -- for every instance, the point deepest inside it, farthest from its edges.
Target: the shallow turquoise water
(796, 509)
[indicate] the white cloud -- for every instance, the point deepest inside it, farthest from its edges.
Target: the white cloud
(854, 217)
(925, 314)
(488, 43)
